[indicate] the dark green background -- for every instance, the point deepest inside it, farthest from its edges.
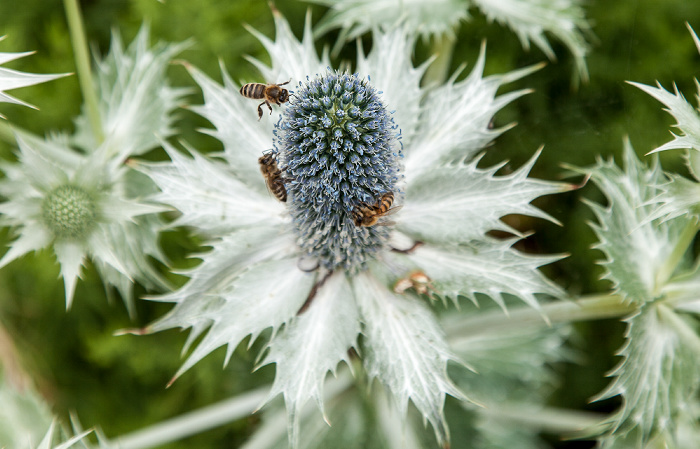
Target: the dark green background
(118, 382)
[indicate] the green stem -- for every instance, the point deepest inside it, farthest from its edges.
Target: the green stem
(442, 48)
(684, 241)
(590, 308)
(546, 419)
(193, 422)
(82, 63)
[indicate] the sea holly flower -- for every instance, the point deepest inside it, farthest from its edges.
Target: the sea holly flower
(529, 19)
(657, 377)
(12, 79)
(308, 268)
(75, 193)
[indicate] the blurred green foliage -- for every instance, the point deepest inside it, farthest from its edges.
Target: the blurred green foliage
(119, 382)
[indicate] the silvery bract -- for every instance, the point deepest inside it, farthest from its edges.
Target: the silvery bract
(12, 79)
(529, 19)
(657, 377)
(343, 140)
(682, 196)
(76, 194)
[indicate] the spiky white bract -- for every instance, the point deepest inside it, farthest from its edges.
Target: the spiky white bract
(312, 345)
(687, 116)
(680, 196)
(47, 442)
(657, 377)
(249, 281)
(454, 118)
(426, 17)
(637, 250)
(136, 102)
(13, 79)
(406, 350)
(472, 195)
(531, 19)
(25, 419)
(87, 202)
(658, 373)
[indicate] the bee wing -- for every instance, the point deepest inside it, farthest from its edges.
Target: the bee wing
(393, 210)
(385, 223)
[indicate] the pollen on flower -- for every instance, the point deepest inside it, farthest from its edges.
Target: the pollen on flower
(339, 149)
(69, 212)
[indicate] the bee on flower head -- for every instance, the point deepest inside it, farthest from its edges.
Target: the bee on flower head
(269, 93)
(369, 214)
(273, 176)
(418, 281)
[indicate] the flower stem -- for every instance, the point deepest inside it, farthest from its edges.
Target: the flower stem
(82, 63)
(191, 423)
(684, 241)
(546, 419)
(443, 47)
(590, 308)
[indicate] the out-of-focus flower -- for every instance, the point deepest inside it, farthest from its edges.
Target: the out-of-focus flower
(529, 19)
(307, 268)
(12, 79)
(682, 196)
(657, 376)
(75, 193)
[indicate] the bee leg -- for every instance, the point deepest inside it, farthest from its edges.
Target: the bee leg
(260, 110)
(313, 292)
(409, 250)
(268, 106)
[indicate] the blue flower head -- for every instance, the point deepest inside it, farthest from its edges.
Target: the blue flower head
(338, 148)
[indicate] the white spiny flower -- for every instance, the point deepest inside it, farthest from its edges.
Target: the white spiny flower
(339, 148)
(12, 79)
(529, 19)
(86, 202)
(657, 378)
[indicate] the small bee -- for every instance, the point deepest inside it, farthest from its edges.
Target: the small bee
(416, 280)
(368, 215)
(273, 176)
(270, 93)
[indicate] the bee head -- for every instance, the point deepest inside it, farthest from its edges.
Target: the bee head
(284, 95)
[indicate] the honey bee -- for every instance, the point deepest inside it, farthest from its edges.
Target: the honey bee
(273, 176)
(416, 280)
(368, 215)
(270, 93)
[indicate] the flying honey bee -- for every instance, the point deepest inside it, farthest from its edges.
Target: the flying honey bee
(273, 176)
(416, 280)
(368, 215)
(269, 93)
